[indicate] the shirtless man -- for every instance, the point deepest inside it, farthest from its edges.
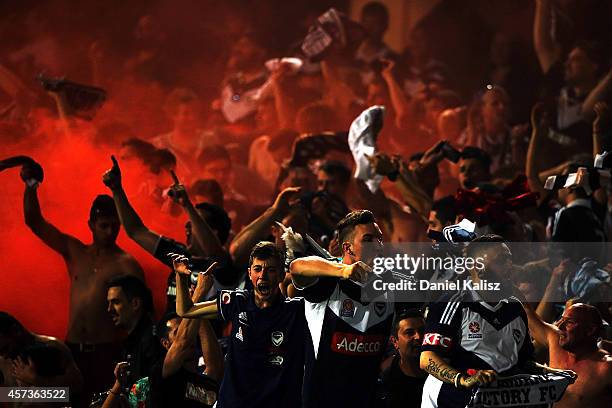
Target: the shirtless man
(572, 345)
(91, 334)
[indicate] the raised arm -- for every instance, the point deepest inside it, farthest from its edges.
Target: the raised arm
(601, 129)
(545, 307)
(185, 307)
(211, 351)
(542, 332)
(259, 229)
(547, 50)
(181, 347)
(204, 235)
(193, 307)
(597, 94)
(398, 98)
(305, 271)
(601, 126)
(134, 227)
(539, 127)
(48, 233)
(283, 101)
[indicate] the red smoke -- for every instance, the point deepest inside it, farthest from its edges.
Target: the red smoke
(35, 283)
(138, 55)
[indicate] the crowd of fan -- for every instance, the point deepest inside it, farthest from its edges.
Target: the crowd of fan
(272, 153)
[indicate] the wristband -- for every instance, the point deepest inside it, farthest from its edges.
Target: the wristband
(114, 393)
(458, 380)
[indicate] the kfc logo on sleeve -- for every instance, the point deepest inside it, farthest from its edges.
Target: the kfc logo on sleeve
(436, 339)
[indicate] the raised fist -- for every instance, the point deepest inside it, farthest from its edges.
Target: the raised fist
(180, 264)
(112, 177)
(177, 191)
(387, 67)
(31, 173)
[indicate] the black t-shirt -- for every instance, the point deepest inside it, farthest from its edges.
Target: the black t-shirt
(264, 366)
(226, 275)
(400, 390)
(183, 389)
(349, 338)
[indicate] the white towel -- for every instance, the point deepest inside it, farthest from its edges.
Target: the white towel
(362, 141)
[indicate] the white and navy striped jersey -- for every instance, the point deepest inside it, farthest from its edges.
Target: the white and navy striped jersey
(348, 341)
(473, 335)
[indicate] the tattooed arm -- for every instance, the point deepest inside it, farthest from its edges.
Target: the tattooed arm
(436, 366)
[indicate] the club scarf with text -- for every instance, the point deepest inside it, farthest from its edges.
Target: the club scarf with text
(522, 390)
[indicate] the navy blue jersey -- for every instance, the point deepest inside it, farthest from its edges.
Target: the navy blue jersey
(472, 334)
(265, 361)
(348, 341)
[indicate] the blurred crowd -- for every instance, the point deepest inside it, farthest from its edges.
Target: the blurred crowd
(330, 135)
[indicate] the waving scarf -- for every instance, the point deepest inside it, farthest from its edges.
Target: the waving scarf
(486, 208)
